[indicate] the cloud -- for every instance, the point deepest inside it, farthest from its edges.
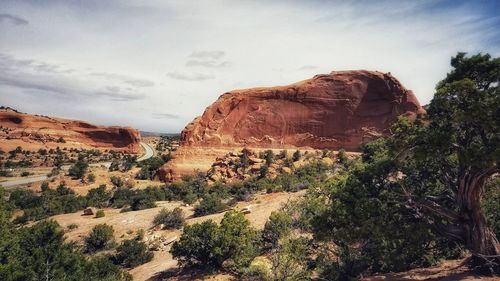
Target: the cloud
(115, 94)
(207, 54)
(37, 76)
(190, 76)
(207, 63)
(12, 19)
(165, 116)
(308, 67)
(8, 62)
(137, 82)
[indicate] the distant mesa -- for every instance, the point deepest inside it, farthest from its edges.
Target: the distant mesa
(33, 132)
(342, 109)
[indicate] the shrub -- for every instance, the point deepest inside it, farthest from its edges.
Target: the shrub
(268, 156)
(296, 155)
(141, 202)
(98, 197)
(234, 242)
(197, 244)
(278, 226)
(100, 238)
(99, 214)
(72, 226)
(25, 174)
(210, 204)
(116, 181)
(170, 219)
(132, 253)
(79, 169)
(91, 177)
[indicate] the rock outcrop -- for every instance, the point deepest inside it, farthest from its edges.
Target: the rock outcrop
(34, 131)
(337, 110)
(342, 109)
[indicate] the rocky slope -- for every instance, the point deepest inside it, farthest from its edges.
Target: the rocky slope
(32, 132)
(342, 109)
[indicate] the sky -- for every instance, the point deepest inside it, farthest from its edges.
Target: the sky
(157, 64)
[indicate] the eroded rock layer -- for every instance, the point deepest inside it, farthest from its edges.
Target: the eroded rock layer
(342, 109)
(337, 110)
(34, 131)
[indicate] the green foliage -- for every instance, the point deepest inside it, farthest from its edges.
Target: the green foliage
(296, 156)
(290, 260)
(149, 168)
(210, 204)
(91, 178)
(116, 181)
(170, 219)
(348, 264)
(78, 169)
(277, 227)
(98, 197)
(100, 238)
(239, 242)
(51, 202)
(99, 214)
(268, 156)
(197, 245)
(209, 245)
(39, 253)
(132, 253)
(491, 201)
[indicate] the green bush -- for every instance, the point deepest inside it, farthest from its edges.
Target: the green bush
(99, 214)
(78, 169)
(234, 242)
(278, 226)
(132, 253)
(98, 197)
(100, 238)
(91, 178)
(210, 204)
(170, 219)
(116, 181)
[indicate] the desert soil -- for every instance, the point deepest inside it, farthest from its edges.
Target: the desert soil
(127, 224)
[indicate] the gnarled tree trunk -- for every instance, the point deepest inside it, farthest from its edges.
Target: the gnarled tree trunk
(477, 236)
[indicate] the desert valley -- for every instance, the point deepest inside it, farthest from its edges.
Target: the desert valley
(349, 174)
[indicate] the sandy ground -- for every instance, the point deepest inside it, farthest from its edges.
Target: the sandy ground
(127, 224)
(452, 270)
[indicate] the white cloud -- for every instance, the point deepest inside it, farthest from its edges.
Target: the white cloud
(190, 76)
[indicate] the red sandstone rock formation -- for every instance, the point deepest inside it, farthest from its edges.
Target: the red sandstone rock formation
(337, 110)
(342, 109)
(33, 132)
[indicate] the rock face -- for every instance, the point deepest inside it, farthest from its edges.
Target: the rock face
(33, 132)
(342, 109)
(337, 110)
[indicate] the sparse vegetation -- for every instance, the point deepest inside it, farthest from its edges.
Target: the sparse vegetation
(100, 238)
(132, 253)
(99, 214)
(233, 243)
(170, 219)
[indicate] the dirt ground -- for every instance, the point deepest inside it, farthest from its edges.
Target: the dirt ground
(452, 270)
(127, 224)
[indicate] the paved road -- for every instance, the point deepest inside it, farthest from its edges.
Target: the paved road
(148, 153)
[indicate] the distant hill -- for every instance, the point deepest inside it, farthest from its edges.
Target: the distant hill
(32, 132)
(157, 134)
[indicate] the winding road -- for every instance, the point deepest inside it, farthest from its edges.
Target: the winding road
(148, 153)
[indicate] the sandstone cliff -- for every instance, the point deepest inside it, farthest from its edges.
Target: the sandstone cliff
(342, 109)
(33, 132)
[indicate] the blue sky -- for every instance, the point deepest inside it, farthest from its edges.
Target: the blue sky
(155, 65)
